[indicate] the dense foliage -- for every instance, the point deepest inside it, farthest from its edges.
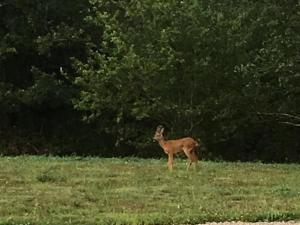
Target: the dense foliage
(225, 72)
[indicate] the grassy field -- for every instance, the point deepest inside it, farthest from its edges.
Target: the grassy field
(50, 190)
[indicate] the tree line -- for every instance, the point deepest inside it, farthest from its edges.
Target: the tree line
(95, 77)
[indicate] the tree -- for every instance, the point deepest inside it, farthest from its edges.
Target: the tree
(192, 65)
(38, 40)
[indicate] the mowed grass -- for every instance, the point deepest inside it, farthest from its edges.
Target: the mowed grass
(73, 190)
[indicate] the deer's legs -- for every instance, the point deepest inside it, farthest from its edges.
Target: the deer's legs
(195, 158)
(170, 161)
(192, 157)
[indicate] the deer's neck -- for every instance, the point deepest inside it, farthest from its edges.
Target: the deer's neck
(162, 143)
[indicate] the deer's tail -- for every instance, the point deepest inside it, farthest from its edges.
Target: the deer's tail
(197, 144)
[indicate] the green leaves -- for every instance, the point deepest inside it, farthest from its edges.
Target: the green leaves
(207, 69)
(195, 67)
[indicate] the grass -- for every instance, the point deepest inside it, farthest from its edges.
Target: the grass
(73, 190)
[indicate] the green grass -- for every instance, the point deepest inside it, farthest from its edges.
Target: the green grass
(51, 190)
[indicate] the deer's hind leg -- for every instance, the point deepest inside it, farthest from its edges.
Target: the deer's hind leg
(195, 157)
(192, 157)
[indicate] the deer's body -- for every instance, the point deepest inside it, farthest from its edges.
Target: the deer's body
(178, 145)
(171, 147)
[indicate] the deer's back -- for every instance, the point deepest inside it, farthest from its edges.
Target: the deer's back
(179, 144)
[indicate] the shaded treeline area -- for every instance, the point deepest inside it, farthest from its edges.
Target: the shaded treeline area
(96, 77)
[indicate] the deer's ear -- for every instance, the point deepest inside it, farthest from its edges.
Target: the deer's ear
(159, 127)
(162, 130)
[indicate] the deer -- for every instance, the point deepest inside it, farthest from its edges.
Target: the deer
(171, 147)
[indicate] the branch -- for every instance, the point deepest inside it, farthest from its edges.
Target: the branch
(283, 116)
(193, 125)
(286, 115)
(291, 124)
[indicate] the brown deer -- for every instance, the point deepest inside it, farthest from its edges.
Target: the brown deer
(187, 145)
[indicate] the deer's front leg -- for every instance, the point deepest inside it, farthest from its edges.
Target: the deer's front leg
(170, 161)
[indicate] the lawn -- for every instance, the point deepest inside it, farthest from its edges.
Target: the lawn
(74, 190)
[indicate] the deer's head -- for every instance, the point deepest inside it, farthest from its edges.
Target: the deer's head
(159, 133)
